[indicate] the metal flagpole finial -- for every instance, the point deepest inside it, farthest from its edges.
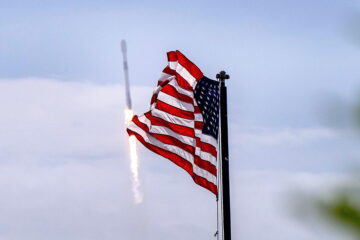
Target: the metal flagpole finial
(222, 76)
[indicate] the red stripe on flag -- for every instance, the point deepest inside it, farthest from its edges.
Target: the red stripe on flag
(172, 56)
(184, 164)
(190, 67)
(164, 138)
(205, 165)
(183, 83)
(206, 147)
(199, 125)
(169, 71)
(161, 84)
(143, 126)
(197, 109)
(174, 111)
(171, 90)
(186, 131)
(174, 141)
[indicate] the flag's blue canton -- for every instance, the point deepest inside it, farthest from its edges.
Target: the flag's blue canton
(207, 97)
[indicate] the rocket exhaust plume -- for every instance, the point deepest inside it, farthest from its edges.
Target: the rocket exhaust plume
(134, 160)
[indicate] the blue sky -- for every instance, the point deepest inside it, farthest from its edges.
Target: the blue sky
(80, 40)
(294, 76)
(280, 52)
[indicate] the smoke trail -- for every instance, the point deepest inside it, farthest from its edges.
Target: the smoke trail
(134, 161)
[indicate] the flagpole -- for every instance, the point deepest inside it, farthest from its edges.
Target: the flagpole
(224, 148)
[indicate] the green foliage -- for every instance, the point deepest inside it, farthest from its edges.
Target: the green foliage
(342, 212)
(344, 208)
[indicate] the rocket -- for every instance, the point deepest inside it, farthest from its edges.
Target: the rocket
(126, 72)
(134, 160)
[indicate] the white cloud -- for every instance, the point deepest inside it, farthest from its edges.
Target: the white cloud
(64, 174)
(294, 136)
(52, 119)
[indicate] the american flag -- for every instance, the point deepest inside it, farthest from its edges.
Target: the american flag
(183, 122)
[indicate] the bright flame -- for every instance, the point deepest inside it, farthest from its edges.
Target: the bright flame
(128, 116)
(134, 163)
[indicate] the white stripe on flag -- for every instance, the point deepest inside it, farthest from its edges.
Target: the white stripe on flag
(166, 98)
(176, 150)
(205, 156)
(206, 138)
(180, 89)
(183, 72)
(172, 119)
(168, 132)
